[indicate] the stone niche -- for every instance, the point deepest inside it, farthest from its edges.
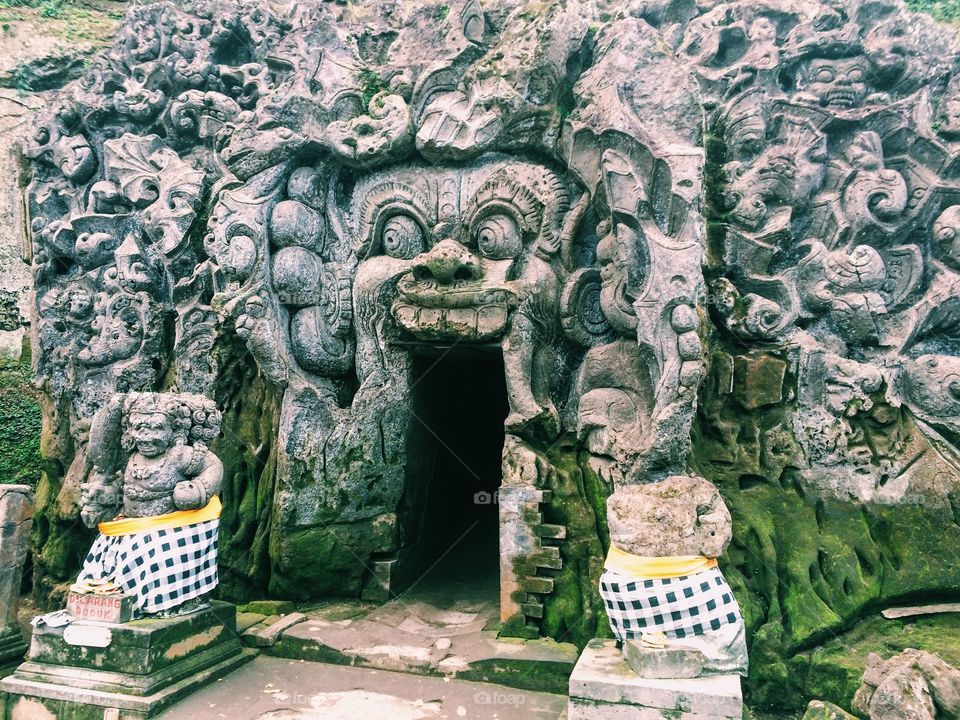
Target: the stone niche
(470, 266)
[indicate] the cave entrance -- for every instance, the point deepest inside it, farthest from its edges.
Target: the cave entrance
(459, 403)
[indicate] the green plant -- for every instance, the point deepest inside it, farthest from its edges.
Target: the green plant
(943, 10)
(370, 85)
(20, 425)
(21, 79)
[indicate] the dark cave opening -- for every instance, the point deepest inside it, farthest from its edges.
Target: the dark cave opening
(459, 403)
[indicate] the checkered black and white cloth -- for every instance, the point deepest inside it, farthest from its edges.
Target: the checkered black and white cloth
(161, 568)
(679, 607)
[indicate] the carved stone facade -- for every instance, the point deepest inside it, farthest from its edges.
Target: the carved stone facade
(287, 208)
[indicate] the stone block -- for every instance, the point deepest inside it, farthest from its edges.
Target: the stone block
(604, 687)
(16, 519)
(268, 607)
(666, 662)
(267, 635)
(580, 709)
(246, 620)
(100, 608)
(146, 665)
(11, 344)
(377, 587)
(758, 380)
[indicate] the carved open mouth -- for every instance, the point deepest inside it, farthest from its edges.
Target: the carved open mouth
(842, 98)
(464, 310)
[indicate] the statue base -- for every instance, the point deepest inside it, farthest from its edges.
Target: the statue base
(91, 671)
(603, 687)
(12, 645)
(666, 662)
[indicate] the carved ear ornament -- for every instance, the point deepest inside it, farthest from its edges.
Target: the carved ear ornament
(581, 316)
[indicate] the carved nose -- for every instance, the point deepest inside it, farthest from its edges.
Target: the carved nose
(447, 262)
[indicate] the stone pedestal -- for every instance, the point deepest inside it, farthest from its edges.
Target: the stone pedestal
(91, 671)
(16, 514)
(603, 687)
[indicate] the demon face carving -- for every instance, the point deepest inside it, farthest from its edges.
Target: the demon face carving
(472, 255)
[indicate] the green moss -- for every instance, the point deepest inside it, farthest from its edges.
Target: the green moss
(370, 85)
(247, 448)
(573, 612)
(326, 560)
(20, 425)
(836, 669)
(804, 570)
(943, 10)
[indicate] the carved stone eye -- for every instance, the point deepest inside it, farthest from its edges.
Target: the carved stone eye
(402, 237)
(824, 75)
(944, 232)
(855, 75)
(498, 238)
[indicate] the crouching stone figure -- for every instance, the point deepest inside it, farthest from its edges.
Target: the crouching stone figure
(663, 591)
(152, 493)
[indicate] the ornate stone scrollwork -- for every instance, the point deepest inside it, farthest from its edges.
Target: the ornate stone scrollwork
(291, 207)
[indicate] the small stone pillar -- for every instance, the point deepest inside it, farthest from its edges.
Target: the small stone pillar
(16, 519)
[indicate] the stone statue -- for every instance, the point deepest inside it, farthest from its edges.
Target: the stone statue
(153, 482)
(661, 586)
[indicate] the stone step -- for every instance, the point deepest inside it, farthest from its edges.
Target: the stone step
(476, 654)
(538, 585)
(266, 634)
(603, 687)
(547, 557)
(551, 532)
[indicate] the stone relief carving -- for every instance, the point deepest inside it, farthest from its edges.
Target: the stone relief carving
(835, 179)
(599, 195)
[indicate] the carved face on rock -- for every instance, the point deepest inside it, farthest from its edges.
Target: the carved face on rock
(932, 384)
(150, 432)
(469, 245)
(836, 83)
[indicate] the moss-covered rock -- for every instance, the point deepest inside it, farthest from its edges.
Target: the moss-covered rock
(817, 710)
(806, 569)
(573, 612)
(20, 424)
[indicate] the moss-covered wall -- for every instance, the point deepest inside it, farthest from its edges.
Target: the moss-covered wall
(573, 612)
(807, 570)
(20, 422)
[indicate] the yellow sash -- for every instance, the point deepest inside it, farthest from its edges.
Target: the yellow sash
(656, 568)
(180, 518)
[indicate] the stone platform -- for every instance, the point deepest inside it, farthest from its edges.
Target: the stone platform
(603, 687)
(94, 671)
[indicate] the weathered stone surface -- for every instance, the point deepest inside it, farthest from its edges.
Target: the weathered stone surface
(913, 685)
(818, 710)
(682, 515)
(270, 633)
(603, 677)
(16, 518)
(283, 207)
(663, 662)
